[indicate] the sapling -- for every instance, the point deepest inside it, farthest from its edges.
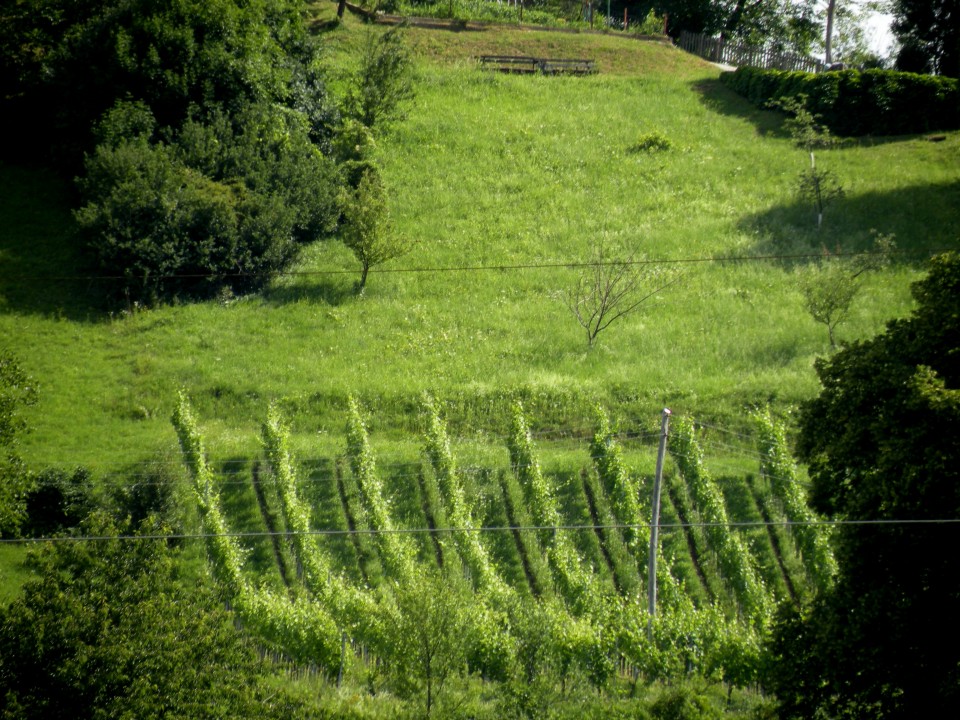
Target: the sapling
(819, 186)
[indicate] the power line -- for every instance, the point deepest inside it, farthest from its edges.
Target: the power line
(484, 529)
(574, 264)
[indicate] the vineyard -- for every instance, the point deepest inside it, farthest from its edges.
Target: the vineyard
(424, 570)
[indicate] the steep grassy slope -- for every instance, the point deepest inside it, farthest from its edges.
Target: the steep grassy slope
(500, 181)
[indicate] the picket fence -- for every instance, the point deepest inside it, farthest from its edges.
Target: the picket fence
(723, 51)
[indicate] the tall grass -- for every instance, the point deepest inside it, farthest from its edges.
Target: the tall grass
(501, 181)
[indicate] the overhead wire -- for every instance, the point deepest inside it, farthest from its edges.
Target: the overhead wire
(484, 529)
(569, 264)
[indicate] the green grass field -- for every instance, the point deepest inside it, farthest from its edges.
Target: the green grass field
(500, 181)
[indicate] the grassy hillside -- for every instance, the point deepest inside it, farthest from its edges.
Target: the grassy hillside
(500, 181)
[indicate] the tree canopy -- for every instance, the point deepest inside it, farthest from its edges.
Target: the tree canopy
(929, 35)
(107, 630)
(200, 128)
(883, 445)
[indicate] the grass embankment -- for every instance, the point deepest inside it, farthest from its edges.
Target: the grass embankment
(500, 181)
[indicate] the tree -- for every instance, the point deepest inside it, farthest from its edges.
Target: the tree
(384, 81)
(17, 391)
(929, 35)
(611, 288)
(830, 287)
(107, 630)
(881, 442)
(816, 185)
(366, 226)
(200, 130)
(427, 640)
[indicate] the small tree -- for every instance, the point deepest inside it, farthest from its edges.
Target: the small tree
(830, 288)
(17, 391)
(427, 639)
(608, 289)
(816, 185)
(384, 81)
(366, 225)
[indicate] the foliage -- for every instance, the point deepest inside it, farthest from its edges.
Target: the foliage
(571, 576)
(929, 36)
(107, 630)
(816, 185)
(779, 468)
(58, 501)
(654, 141)
(427, 645)
(17, 391)
(819, 187)
(854, 102)
(396, 552)
(383, 84)
(736, 562)
(203, 126)
(303, 630)
(610, 288)
(69, 63)
(787, 26)
(880, 440)
(366, 228)
(830, 287)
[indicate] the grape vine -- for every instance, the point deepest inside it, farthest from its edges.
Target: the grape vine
(736, 562)
(778, 467)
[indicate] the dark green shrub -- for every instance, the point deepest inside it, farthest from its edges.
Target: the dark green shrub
(58, 501)
(853, 102)
(222, 203)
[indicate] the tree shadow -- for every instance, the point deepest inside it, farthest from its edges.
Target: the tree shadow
(333, 290)
(42, 268)
(717, 97)
(769, 123)
(924, 219)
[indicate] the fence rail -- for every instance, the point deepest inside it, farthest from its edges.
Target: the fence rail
(723, 51)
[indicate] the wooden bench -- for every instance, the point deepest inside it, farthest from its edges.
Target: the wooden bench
(546, 66)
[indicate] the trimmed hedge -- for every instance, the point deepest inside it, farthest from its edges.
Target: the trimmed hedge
(854, 102)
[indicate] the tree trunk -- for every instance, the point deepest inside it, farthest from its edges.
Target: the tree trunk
(828, 40)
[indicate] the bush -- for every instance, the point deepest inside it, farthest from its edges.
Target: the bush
(58, 501)
(853, 102)
(651, 142)
(221, 204)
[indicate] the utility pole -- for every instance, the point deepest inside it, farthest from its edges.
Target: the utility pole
(655, 523)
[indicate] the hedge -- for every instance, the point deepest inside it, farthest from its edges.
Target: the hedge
(854, 102)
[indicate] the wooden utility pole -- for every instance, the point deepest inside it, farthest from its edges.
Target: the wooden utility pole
(655, 523)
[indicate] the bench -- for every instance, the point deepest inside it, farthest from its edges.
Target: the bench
(546, 66)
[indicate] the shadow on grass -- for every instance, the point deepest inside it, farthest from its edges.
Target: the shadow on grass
(42, 270)
(720, 99)
(332, 290)
(924, 219)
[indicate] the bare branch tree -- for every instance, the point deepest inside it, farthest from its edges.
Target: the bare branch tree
(610, 288)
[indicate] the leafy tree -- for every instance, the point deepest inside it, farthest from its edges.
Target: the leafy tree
(17, 390)
(929, 35)
(384, 81)
(107, 630)
(427, 642)
(786, 25)
(881, 443)
(66, 63)
(366, 228)
(830, 287)
(203, 123)
(58, 501)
